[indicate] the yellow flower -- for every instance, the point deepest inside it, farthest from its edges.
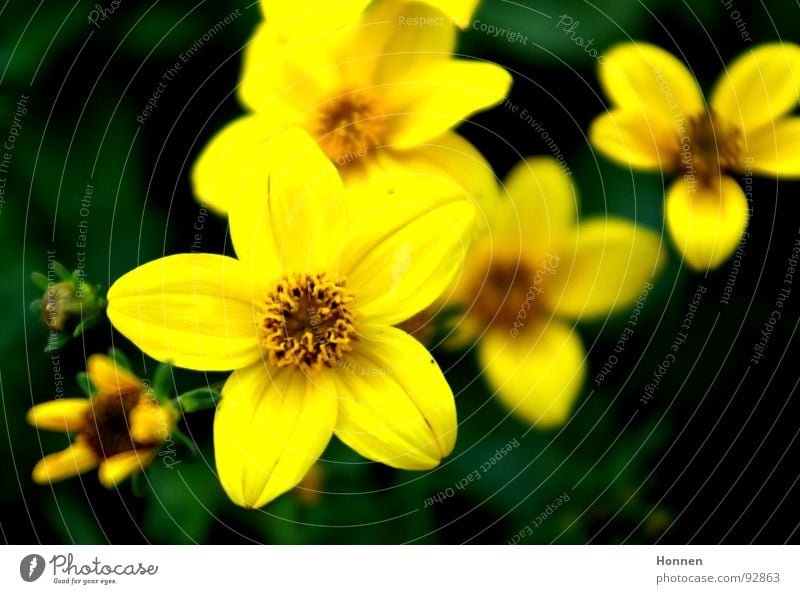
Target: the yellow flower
(379, 97)
(532, 276)
(120, 428)
(305, 320)
(659, 121)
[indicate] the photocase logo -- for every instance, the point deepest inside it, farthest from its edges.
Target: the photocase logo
(31, 567)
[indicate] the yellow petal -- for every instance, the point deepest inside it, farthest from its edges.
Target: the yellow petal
(759, 86)
(395, 406)
(537, 374)
(396, 36)
(775, 149)
(633, 139)
(284, 78)
(151, 423)
(300, 216)
(65, 414)
(311, 18)
(459, 10)
(119, 467)
(109, 376)
(706, 223)
(76, 459)
(649, 81)
(233, 162)
(400, 256)
(437, 95)
(268, 431)
(603, 267)
(195, 310)
(449, 158)
(540, 205)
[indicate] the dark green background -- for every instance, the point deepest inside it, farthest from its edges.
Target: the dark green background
(711, 459)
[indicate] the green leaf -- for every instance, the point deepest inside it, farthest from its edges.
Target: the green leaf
(85, 324)
(56, 341)
(186, 444)
(120, 357)
(84, 381)
(61, 272)
(163, 381)
(199, 399)
(40, 280)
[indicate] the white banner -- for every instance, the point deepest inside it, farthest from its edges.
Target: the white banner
(415, 570)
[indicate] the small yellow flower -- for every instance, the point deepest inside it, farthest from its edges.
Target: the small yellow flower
(659, 121)
(378, 96)
(305, 320)
(532, 277)
(121, 428)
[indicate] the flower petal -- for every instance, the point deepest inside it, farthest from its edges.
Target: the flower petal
(76, 459)
(633, 139)
(270, 429)
(300, 215)
(541, 205)
(650, 81)
(151, 423)
(119, 467)
(706, 223)
(449, 158)
(395, 406)
(311, 18)
(396, 36)
(775, 149)
(109, 376)
(759, 86)
(233, 162)
(284, 78)
(538, 374)
(603, 267)
(65, 414)
(195, 310)
(427, 100)
(400, 256)
(459, 10)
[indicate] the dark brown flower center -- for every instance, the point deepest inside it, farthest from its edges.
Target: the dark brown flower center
(709, 147)
(107, 424)
(349, 125)
(307, 322)
(508, 295)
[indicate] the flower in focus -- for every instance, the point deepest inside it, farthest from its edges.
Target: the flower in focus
(379, 96)
(659, 121)
(120, 428)
(532, 276)
(305, 320)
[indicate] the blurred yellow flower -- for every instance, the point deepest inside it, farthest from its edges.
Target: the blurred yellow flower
(120, 428)
(305, 320)
(659, 121)
(532, 276)
(379, 96)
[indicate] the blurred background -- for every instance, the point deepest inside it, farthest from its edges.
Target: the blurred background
(710, 458)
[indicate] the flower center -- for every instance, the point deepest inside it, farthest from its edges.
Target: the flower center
(507, 293)
(709, 147)
(349, 125)
(107, 424)
(307, 322)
